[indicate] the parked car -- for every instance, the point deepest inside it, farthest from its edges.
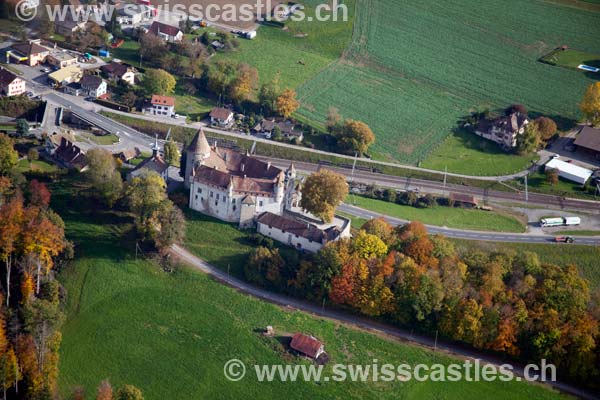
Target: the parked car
(45, 70)
(564, 239)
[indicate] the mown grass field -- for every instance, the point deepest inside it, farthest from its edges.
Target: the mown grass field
(442, 216)
(171, 333)
(36, 165)
(299, 51)
(415, 68)
(584, 257)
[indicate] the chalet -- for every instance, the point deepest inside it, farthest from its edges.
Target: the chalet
(30, 53)
(307, 345)
(119, 72)
(503, 130)
(166, 32)
(222, 117)
(70, 156)
(299, 233)
(93, 85)
(161, 105)
(11, 84)
(287, 129)
(588, 140)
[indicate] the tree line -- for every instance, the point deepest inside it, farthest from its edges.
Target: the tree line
(504, 302)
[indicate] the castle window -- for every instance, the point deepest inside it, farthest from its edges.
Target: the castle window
(233, 201)
(218, 195)
(199, 190)
(211, 193)
(234, 208)
(260, 203)
(196, 197)
(216, 203)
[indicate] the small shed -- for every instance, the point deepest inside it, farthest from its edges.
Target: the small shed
(464, 200)
(307, 345)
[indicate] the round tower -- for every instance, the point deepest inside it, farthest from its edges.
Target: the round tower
(196, 153)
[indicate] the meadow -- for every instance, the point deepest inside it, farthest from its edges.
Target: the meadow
(171, 333)
(451, 217)
(414, 69)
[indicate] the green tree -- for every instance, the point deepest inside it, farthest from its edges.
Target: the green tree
(170, 220)
(552, 176)
(171, 152)
(264, 267)
(322, 192)
(269, 92)
(158, 81)
(103, 175)
(129, 392)
(8, 155)
(22, 127)
(32, 155)
(547, 127)
(529, 141)
(145, 194)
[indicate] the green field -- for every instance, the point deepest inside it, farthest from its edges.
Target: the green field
(37, 165)
(171, 334)
(415, 68)
(455, 217)
(298, 52)
(585, 257)
(572, 58)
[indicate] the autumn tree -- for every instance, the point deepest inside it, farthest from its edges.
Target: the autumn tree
(171, 152)
(590, 104)
(546, 127)
(170, 220)
(103, 175)
(32, 155)
(8, 155)
(104, 391)
(368, 246)
(158, 81)
(11, 229)
(129, 392)
(151, 48)
(287, 103)
(380, 228)
(552, 176)
(39, 195)
(322, 192)
(244, 85)
(264, 267)
(145, 195)
(355, 136)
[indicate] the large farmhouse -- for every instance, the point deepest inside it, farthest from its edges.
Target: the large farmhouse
(503, 130)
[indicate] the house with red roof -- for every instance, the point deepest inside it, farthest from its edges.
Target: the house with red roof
(161, 105)
(166, 32)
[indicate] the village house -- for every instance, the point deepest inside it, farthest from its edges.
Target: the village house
(93, 85)
(65, 76)
(11, 84)
(61, 59)
(503, 130)
(267, 127)
(116, 71)
(70, 156)
(30, 53)
(133, 14)
(68, 27)
(307, 345)
(161, 105)
(300, 233)
(129, 154)
(166, 32)
(221, 117)
(588, 141)
(154, 163)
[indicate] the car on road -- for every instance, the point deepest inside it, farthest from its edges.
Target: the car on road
(564, 239)
(45, 70)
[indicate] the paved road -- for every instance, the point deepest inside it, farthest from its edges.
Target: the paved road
(471, 235)
(360, 322)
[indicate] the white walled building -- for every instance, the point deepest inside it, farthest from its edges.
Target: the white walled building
(11, 84)
(161, 105)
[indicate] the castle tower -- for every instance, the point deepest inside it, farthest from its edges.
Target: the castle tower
(196, 153)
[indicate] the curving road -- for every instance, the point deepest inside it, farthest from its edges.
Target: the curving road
(471, 235)
(361, 322)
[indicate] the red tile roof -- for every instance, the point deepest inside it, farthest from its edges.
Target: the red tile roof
(6, 77)
(589, 138)
(159, 27)
(220, 113)
(162, 100)
(306, 344)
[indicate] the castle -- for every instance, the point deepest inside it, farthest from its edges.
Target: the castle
(236, 187)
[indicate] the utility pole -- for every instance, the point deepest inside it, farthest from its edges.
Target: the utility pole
(435, 342)
(445, 178)
(526, 190)
(228, 265)
(323, 306)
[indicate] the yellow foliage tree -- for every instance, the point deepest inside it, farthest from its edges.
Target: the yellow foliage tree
(590, 104)
(368, 246)
(322, 192)
(287, 103)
